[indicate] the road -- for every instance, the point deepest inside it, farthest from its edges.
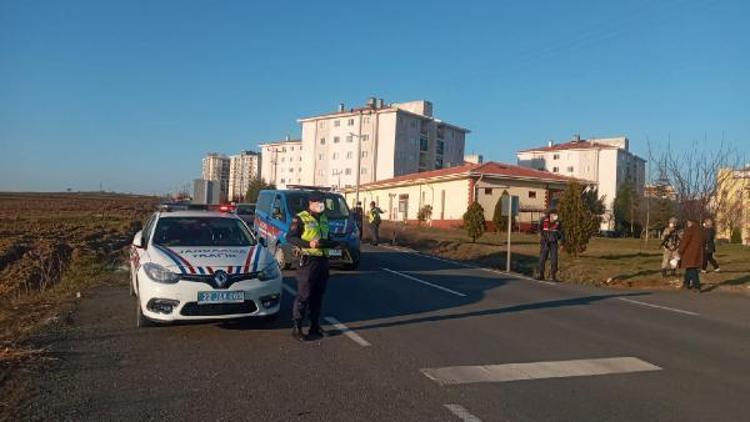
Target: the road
(415, 338)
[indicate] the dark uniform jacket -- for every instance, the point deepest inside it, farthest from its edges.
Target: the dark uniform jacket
(710, 239)
(551, 232)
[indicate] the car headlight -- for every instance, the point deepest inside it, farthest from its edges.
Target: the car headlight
(270, 272)
(160, 274)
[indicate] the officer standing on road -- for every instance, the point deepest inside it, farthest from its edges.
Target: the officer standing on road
(373, 217)
(359, 215)
(309, 233)
(551, 237)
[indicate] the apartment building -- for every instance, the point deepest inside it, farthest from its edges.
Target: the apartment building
(377, 141)
(216, 169)
(606, 161)
(733, 205)
(243, 168)
(281, 162)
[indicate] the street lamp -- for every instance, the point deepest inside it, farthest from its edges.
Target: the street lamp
(359, 165)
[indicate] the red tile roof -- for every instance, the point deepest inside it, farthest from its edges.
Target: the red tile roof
(490, 168)
(571, 145)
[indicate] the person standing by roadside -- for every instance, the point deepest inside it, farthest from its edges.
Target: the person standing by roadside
(358, 215)
(309, 233)
(691, 250)
(708, 254)
(373, 217)
(670, 242)
(551, 237)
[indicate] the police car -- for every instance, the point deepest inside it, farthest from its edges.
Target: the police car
(196, 265)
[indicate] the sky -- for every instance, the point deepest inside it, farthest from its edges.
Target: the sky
(130, 95)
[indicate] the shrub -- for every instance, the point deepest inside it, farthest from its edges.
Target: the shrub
(578, 222)
(474, 223)
(424, 214)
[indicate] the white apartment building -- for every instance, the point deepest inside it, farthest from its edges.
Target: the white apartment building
(216, 168)
(243, 168)
(376, 142)
(605, 161)
(281, 163)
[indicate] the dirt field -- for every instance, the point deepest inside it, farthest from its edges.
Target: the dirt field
(613, 262)
(51, 247)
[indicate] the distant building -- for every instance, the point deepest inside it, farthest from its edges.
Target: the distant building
(206, 192)
(216, 169)
(377, 141)
(605, 161)
(474, 158)
(733, 204)
(449, 192)
(281, 162)
(243, 168)
(660, 191)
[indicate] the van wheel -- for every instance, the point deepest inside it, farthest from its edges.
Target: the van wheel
(281, 259)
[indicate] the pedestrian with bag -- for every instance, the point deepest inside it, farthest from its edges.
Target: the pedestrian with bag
(670, 243)
(550, 239)
(309, 234)
(691, 250)
(373, 217)
(708, 255)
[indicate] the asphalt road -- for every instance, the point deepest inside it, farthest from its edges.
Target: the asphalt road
(415, 339)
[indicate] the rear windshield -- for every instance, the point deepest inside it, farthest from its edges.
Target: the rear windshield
(201, 231)
(245, 210)
(335, 205)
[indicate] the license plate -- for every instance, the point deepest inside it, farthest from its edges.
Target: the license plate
(333, 252)
(221, 297)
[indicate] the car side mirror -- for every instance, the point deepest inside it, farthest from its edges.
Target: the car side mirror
(263, 242)
(138, 239)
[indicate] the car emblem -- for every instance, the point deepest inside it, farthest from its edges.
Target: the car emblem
(221, 278)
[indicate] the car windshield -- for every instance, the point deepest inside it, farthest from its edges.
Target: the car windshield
(201, 231)
(335, 205)
(245, 210)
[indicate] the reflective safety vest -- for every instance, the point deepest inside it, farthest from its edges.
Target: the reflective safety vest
(374, 215)
(314, 230)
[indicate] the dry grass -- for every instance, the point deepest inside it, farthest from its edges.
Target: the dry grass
(613, 262)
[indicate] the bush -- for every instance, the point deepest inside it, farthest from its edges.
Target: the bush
(736, 236)
(579, 223)
(424, 214)
(474, 223)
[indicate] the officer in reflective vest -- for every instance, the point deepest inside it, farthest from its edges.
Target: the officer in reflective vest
(551, 237)
(309, 233)
(373, 217)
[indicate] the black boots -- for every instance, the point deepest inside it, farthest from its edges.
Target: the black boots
(297, 333)
(315, 332)
(664, 273)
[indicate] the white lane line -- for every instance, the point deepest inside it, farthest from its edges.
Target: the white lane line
(537, 370)
(664, 308)
(348, 332)
(426, 283)
(462, 413)
(289, 290)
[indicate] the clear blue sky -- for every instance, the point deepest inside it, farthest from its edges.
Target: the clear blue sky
(132, 94)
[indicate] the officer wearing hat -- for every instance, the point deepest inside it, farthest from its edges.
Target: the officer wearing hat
(309, 233)
(551, 237)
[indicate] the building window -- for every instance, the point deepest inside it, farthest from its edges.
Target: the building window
(348, 171)
(322, 141)
(570, 169)
(299, 169)
(423, 144)
(364, 154)
(349, 154)
(349, 138)
(413, 123)
(336, 139)
(336, 123)
(291, 169)
(532, 194)
(322, 123)
(363, 170)
(366, 120)
(556, 157)
(365, 138)
(440, 147)
(320, 157)
(283, 180)
(283, 159)
(488, 191)
(350, 122)
(335, 155)
(555, 170)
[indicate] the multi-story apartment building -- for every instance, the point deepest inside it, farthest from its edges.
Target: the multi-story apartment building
(243, 168)
(605, 161)
(733, 205)
(378, 141)
(216, 169)
(281, 163)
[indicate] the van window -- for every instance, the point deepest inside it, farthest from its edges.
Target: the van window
(264, 202)
(277, 211)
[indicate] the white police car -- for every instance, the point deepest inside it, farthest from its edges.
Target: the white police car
(195, 265)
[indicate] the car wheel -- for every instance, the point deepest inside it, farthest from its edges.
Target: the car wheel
(140, 320)
(281, 259)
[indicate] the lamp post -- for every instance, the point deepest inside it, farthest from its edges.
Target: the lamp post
(359, 165)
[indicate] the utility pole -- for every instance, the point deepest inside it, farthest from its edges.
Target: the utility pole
(359, 159)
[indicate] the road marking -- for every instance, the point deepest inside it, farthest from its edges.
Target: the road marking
(664, 308)
(347, 331)
(462, 413)
(289, 290)
(537, 370)
(427, 283)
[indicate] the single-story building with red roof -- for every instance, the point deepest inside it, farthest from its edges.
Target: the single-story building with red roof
(449, 191)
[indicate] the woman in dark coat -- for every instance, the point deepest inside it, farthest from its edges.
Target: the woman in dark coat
(692, 248)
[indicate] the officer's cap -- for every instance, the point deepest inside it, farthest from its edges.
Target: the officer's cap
(315, 197)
